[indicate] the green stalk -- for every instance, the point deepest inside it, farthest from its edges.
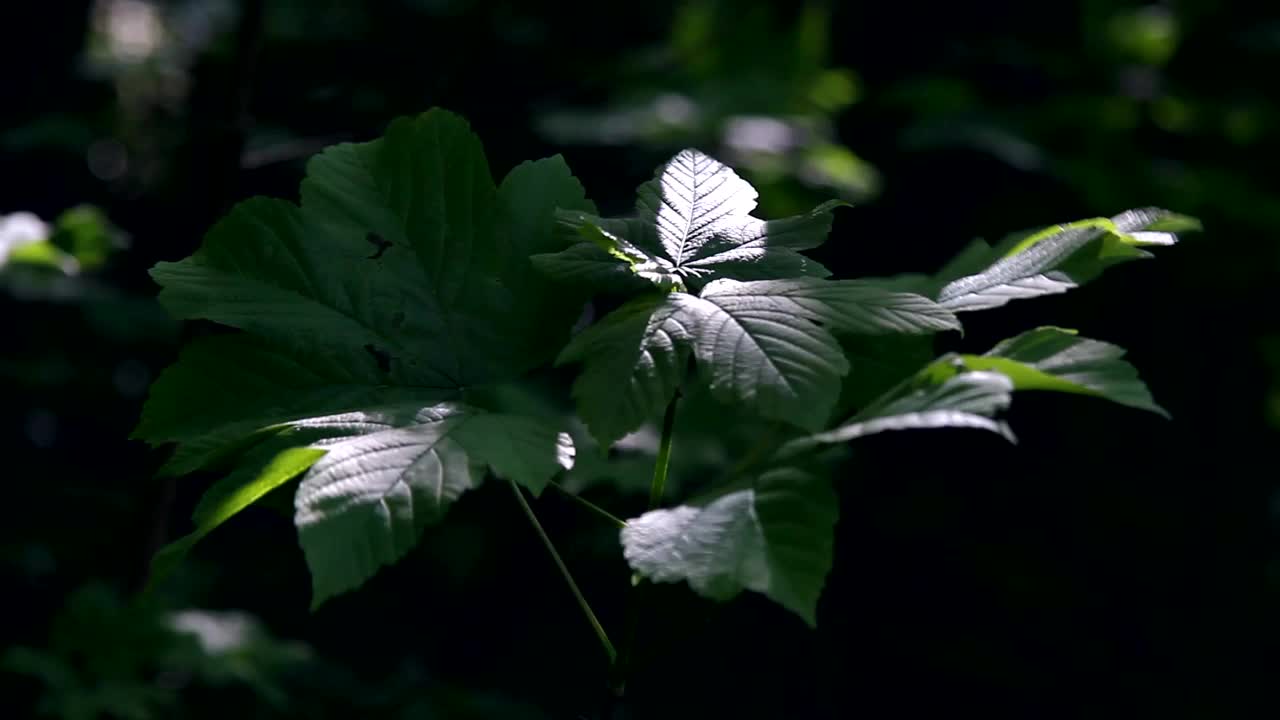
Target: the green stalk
(568, 577)
(614, 519)
(664, 456)
(635, 593)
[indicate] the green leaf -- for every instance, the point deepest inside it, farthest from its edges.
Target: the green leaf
(693, 225)
(877, 364)
(403, 245)
(403, 275)
(633, 361)
(366, 502)
(760, 344)
(763, 344)
(1062, 257)
(225, 388)
(774, 537)
(967, 399)
(402, 280)
(263, 469)
(591, 266)
(850, 306)
(776, 363)
(1051, 358)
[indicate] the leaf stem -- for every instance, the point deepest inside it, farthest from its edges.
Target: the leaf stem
(568, 577)
(614, 519)
(636, 592)
(664, 455)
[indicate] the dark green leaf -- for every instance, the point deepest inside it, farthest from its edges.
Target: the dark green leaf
(967, 399)
(1050, 358)
(403, 245)
(401, 280)
(633, 361)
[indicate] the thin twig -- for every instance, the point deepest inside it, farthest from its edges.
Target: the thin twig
(614, 519)
(637, 591)
(568, 577)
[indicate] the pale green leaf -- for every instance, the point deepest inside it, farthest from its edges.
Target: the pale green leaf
(774, 537)
(263, 469)
(1062, 257)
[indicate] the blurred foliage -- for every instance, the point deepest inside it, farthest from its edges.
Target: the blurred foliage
(748, 83)
(1031, 588)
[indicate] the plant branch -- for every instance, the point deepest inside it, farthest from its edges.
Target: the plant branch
(613, 519)
(635, 593)
(564, 572)
(664, 455)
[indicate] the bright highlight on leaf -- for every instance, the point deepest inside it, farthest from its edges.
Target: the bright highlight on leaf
(264, 469)
(693, 225)
(367, 501)
(774, 537)
(1062, 257)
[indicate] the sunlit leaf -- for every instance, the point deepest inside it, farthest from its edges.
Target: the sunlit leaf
(1062, 257)
(772, 537)
(693, 225)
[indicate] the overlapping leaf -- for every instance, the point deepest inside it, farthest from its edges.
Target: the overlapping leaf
(692, 225)
(965, 400)
(1057, 359)
(395, 471)
(767, 345)
(772, 537)
(401, 278)
(633, 361)
(1062, 257)
(969, 390)
(262, 470)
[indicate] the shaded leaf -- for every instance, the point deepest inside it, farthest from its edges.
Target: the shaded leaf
(633, 361)
(1057, 359)
(402, 279)
(451, 301)
(967, 399)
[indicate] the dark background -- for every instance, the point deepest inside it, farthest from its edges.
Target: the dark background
(1111, 564)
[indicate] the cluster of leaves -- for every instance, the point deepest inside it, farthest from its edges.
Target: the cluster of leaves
(375, 317)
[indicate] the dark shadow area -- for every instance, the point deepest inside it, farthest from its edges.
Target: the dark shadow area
(1111, 564)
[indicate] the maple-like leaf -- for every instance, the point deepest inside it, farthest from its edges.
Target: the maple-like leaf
(402, 280)
(692, 225)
